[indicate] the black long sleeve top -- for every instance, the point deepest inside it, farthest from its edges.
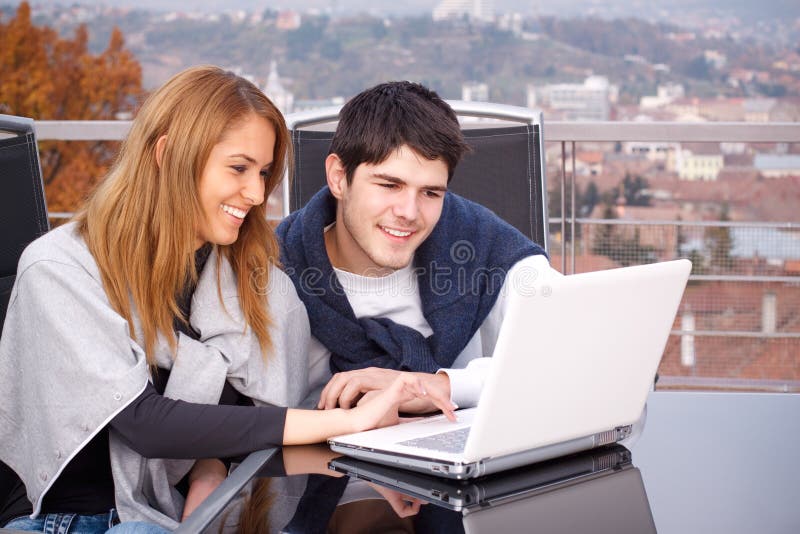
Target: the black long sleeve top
(158, 427)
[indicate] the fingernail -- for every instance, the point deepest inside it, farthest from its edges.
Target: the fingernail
(455, 406)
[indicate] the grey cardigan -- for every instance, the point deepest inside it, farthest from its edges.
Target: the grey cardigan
(68, 366)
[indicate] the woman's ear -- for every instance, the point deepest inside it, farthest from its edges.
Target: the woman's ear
(160, 144)
(336, 175)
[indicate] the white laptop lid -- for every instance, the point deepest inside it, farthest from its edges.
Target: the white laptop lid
(576, 357)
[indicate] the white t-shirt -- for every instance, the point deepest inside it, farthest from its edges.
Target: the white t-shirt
(397, 297)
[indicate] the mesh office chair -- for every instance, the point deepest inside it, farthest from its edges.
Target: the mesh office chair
(504, 172)
(23, 218)
(23, 212)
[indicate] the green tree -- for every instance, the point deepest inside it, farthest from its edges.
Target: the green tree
(634, 189)
(305, 39)
(680, 238)
(719, 242)
(613, 242)
(378, 29)
(698, 262)
(554, 198)
(591, 197)
(633, 252)
(698, 68)
(331, 49)
(774, 90)
(604, 238)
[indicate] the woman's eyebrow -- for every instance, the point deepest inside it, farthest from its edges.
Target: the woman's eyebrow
(243, 156)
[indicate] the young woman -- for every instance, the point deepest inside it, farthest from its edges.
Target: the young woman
(128, 325)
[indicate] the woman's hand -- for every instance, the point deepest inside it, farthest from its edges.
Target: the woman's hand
(380, 408)
(204, 478)
(306, 459)
(313, 426)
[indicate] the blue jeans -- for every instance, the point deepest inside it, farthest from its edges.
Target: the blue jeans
(137, 527)
(83, 524)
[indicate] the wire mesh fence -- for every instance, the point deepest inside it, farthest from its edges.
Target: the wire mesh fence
(738, 326)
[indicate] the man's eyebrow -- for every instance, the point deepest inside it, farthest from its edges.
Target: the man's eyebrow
(400, 181)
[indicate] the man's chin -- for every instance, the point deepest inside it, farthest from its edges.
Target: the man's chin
(391, 264)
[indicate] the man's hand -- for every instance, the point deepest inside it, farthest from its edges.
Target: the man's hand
(344, 389)
(403, 505)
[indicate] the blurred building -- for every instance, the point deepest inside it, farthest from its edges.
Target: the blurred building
(475, 92)
(758, 109)
(281, 97)
(288, 20)
(665, 94)
(656, 151)
(589, 101)
(771, 110)
(777, 165)
(715, 58)
(699, 161)
(305, 105)
(473, 9)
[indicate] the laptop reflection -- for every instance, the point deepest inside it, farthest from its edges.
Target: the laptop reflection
(598, 491)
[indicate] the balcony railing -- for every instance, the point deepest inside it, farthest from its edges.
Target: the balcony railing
(738, 326)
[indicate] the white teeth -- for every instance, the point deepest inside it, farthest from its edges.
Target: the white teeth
(396, 233)
(236, 212)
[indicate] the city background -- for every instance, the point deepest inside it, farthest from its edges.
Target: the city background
(730, 206)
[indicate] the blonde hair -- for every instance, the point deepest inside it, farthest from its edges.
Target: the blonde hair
(141, 222)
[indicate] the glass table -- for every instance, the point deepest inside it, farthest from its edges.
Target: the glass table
(705, 462)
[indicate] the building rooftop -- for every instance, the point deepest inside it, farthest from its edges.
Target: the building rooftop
(758, 105)
(768, 162)
(702, 149)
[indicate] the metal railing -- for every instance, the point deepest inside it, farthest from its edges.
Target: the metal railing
(737, 309)
(557, 131)
(736, 328)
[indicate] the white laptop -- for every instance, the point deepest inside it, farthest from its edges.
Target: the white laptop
(572, 367)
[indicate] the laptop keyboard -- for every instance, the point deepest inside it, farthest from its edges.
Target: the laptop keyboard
(452, 441)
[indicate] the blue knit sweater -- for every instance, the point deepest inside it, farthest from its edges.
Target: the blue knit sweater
(461, 268)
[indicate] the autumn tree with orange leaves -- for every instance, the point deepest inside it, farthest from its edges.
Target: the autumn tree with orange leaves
(47, 77)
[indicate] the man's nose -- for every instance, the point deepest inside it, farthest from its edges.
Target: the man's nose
(406, 206)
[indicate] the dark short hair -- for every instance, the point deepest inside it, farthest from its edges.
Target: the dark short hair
(385, 117)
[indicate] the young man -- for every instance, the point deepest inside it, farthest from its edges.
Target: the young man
(396, 273)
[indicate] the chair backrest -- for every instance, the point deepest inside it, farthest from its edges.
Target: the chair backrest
(23, 212)
(504, 172)
(23, 218)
